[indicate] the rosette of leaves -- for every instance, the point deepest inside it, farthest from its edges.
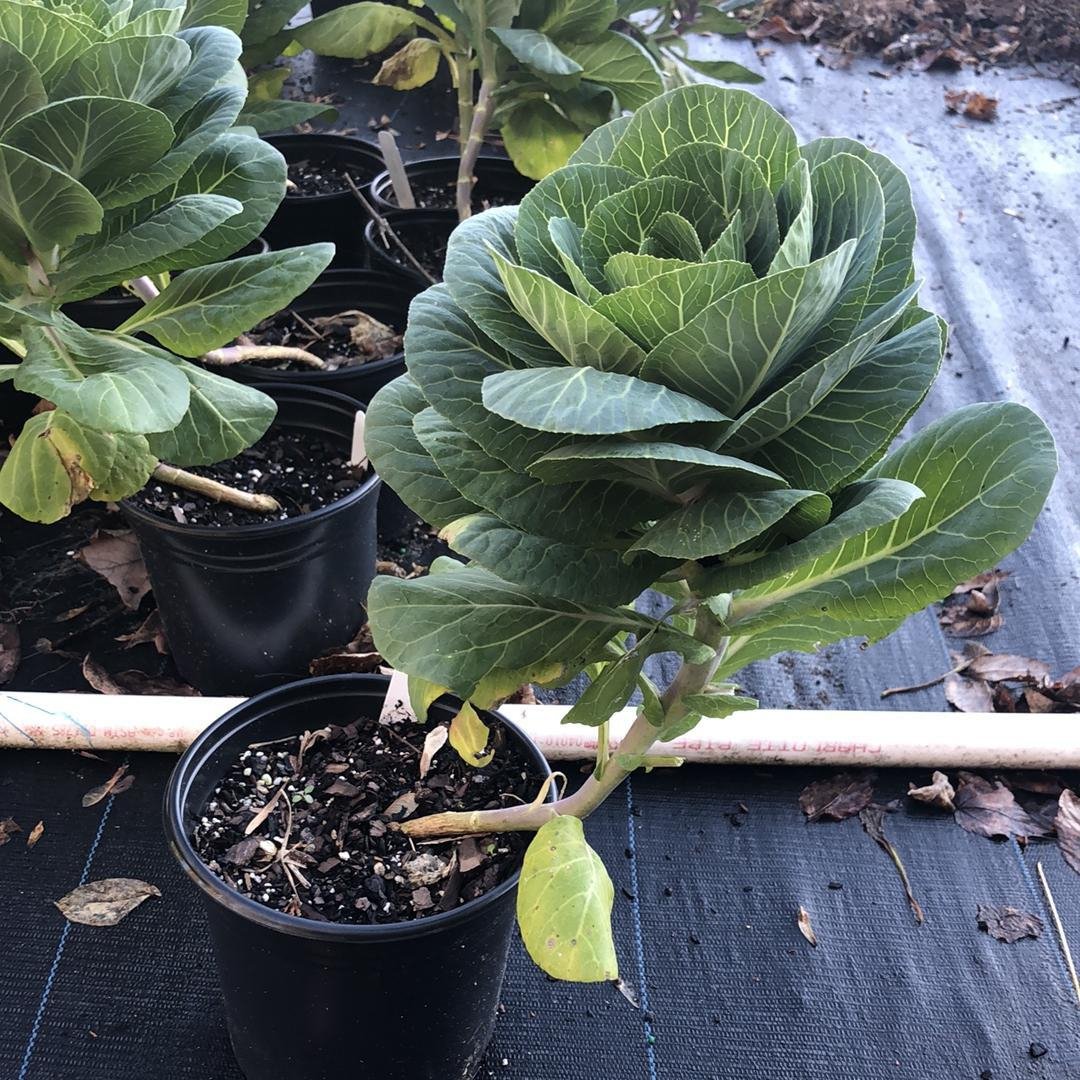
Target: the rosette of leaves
(680, 362)
(119, 163)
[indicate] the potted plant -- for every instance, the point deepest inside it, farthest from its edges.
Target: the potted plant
(120, 165)
(548, 73)
(680, 363)
(286, 814)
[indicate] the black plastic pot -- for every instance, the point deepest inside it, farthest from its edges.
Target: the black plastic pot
(338, 217)
(419, 230)
(383, 295)
(497, 181)
(307, 1000)
(246, 608)
(107, 312)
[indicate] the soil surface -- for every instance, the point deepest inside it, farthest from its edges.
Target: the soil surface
(302, 470)
(329, 849)
(431, 254)
(347, 339)
(316, 177)
(444, 197)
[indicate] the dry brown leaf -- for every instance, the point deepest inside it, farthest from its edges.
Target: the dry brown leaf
(837, 797)
(10, 651)
(116, 557)
(988, 808)
(113, 786)
(968, 695)
(805, 927)
(8, 828)
(777, 28)
(149, 631)
(264, 813)
(939, 792)
(133, 682)
(105, 902)
(434, 741)
(971, 610)
(1007, 667)
(470, 855)
(1008, 924)
(1067, 824)
(873, 821)
(360, 655)
(972, 104)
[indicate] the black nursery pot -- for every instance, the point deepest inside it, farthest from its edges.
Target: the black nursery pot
(384, 296)
(308, 1000)
(497, 182)
(246, 608)
(107, 312)
(423, 232)
(337, 217)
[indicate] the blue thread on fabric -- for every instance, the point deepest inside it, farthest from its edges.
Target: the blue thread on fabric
(35, 1028)
(639, 938)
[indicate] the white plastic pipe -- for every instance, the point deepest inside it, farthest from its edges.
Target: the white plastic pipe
(764, 737)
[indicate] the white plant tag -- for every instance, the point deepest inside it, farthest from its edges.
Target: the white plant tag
(358, 453)
(396, 705)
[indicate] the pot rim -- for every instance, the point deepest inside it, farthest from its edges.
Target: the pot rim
(337, 276)
(269, 528)
(336, 142)
(219, 892)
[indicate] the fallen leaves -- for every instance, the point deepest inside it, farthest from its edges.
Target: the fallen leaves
(359, 656)
(149, 631)
(1008, 924)
(116, 557)
(777, 28)
(805, 926)
(10, 651)
(1067, 824)
(989, 808)
(105, 902)
(36, 833)
(873, 821)
(8, 828)
(119, 782)
(971, 610)
(971, 104)
(837, 797)
(434, 741)
(979, 681)
(939, 792)
(133, 682)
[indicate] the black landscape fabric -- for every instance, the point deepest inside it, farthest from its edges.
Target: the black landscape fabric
(711, 866)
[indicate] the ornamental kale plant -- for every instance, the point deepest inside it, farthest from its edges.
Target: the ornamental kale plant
(550, 71)
(119, 163)
(679, 363)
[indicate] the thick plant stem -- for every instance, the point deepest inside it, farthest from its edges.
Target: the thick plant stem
(243, 354)
(463, 74)
(481, 118)
(261, 504)
(639, 739)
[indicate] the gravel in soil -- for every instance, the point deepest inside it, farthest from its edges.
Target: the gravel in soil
(304, 471)
(312, 176)
(345, 339)
(329, 848)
